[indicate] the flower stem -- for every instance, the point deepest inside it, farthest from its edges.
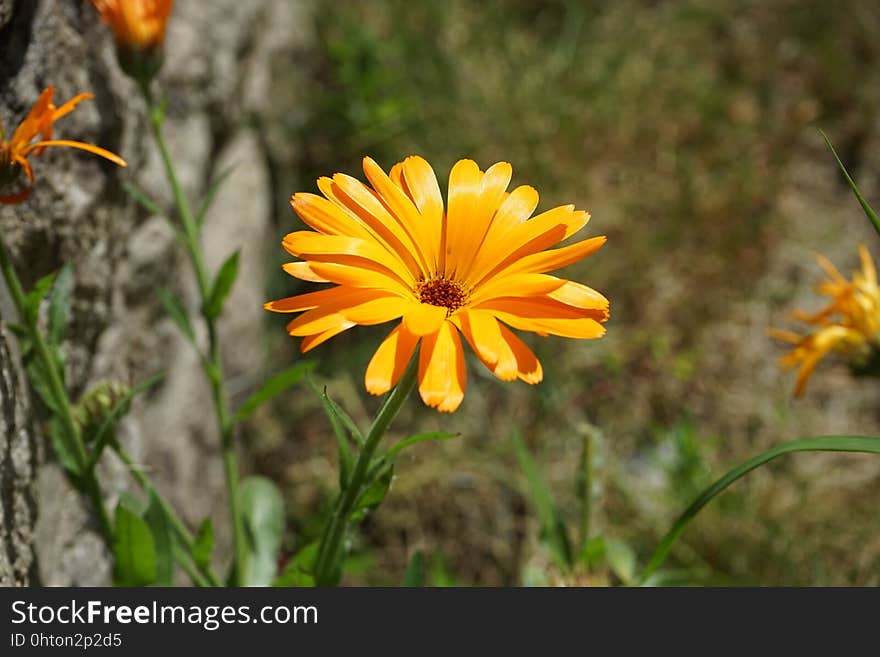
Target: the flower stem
(212, 361)
(329, 551)
(70, 434)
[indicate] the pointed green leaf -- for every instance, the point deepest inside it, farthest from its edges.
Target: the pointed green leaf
(415, 571)
(134, 550)
(593, 552)
(176, 311)
(272, 388)
(211, 193)
(162, 533)
(865, 444)
(36, 295)
(553, 528)
(59, 305)
(621, 559)
(66, 457)
(298, 571)
(204, 544)
(222, 285)
(262, 510)
(339, 420)
(866, 207)
(39, 379)
(143, 199)
(418, 438)
(375, 492)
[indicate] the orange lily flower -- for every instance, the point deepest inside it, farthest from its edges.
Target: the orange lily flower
(471, 269)
(14, 153)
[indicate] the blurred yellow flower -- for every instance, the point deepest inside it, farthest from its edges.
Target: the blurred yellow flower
(136, 24)
(14, 153)
(848, 324)
(474, 268)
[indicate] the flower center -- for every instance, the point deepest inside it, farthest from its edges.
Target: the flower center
(443, 292)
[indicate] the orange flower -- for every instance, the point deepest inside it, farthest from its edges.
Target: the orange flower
(849, 324)
(474, 269)
(136, 24)
(14, 153)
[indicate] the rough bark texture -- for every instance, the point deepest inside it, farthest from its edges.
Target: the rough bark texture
(216, 78)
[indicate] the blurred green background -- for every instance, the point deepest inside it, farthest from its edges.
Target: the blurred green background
(689, 130)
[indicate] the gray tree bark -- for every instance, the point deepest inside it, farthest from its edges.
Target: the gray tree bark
(217, 78)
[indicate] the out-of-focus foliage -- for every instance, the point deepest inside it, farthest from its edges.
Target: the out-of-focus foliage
(688, 130)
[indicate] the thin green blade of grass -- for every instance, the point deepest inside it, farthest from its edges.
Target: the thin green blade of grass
(869, 211)
(863, 444)
(552, 525)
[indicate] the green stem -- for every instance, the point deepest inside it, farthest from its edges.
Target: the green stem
(865, 444)
(70, 434)
(212, 363)
(331, 540)
(201, 576)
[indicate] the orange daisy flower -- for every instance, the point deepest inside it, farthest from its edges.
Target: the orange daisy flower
(14, 153)
(849, 324)
(136, 24)
(473, 269)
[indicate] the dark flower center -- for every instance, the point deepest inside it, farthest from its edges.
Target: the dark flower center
(443, 292)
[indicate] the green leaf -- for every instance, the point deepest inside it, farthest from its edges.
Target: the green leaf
(163, 534)
(553, 529)
(865, 444)
(36, 295)
(211, 193)
(298, 571)
(346, 419)
(134, 550)
(203, 544)
(176, 311)
(39, 379)
(222, 285)
(272, 388)
(592, 552)
(418, 438)
(415, 571)
(59, 305)
(621, 559)
(375, 492)
(866, 207)
(338, 423)
(105, 432)
(440, 574)
(262, 510)
(143, 199)
(66, 458)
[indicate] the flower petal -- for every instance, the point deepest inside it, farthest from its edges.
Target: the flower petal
(361, 306)
(421, 184)
(442, 373)
(311, 341)
(326, 217)
(404, 211)
(423, 318)
(464, 191)
(302, 271)
(364, 203)
(309, 245)
(527, 365)
(390, 360)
